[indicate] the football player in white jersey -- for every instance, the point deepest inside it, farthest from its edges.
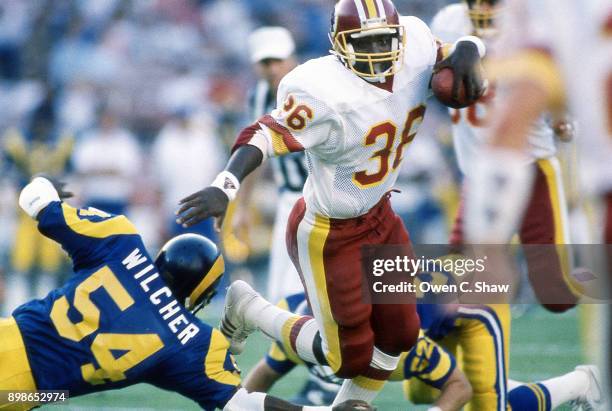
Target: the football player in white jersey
(557, 53)
(544, 222)
(353, 113)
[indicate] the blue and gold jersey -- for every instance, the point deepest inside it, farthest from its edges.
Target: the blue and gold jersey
(427, 361)
(115, 322)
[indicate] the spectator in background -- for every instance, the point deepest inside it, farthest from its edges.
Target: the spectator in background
(15, 24)
(187, 151)
(107, 159)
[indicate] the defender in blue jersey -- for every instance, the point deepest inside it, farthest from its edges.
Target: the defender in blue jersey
(122, 318)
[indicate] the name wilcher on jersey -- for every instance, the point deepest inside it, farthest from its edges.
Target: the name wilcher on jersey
(178, 324)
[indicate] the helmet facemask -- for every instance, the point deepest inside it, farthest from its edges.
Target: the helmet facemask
(371, 53)
(484, 15)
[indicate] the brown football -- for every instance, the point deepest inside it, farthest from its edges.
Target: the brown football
(442, 87)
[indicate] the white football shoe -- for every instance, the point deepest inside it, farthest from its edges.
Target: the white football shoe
(234, 324)
(592, 399)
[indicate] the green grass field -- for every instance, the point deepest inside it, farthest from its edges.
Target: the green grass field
(543, 345)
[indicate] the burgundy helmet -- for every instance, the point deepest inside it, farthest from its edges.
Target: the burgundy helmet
(367, 37)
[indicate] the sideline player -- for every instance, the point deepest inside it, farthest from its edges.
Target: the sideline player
(272, 52)
(353, 113)
(545, 220)
(123, 318)
(559, 52)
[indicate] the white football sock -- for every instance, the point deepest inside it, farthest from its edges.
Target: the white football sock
(267, 317)
(567, 387)
(353, 390)
(512, 384)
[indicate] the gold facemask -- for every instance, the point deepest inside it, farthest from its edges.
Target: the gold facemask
(483, 15)
(351, 58)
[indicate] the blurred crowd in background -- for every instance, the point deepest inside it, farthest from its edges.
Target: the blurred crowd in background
(135, 102)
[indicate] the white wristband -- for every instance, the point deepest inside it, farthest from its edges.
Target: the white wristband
(482, 49)
(434, 409)
(37, 195)
(228, 183)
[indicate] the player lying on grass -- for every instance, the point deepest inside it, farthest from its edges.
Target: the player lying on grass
(123, 318)
(429, 372)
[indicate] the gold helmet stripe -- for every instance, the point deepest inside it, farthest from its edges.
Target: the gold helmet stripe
(371, 7)
(215, 272)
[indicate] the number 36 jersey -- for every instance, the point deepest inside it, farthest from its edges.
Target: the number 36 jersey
(115, 322)
(355, 133)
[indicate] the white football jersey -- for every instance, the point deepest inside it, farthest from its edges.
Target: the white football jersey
(355, 134)
(577, 35)
(469, 124)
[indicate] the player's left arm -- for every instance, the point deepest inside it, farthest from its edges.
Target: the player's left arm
(81, 232)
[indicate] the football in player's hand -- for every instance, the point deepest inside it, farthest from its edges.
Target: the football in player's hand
(442, 87)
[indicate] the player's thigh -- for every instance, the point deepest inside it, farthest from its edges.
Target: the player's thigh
(484, 335)
(15, 373)
(328, 265)
(396, 326)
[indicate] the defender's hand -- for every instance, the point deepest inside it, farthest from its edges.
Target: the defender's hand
(210, 202)
(467, 69)
(58, 185)
(354, 405)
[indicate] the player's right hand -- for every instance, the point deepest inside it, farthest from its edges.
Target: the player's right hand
(58, 185)
(354, 405)
(210, 202)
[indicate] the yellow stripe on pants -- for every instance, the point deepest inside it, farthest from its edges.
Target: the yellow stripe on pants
(15, 372)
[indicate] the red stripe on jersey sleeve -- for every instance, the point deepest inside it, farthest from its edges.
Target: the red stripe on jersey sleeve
(292, 144)
(245, 136)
